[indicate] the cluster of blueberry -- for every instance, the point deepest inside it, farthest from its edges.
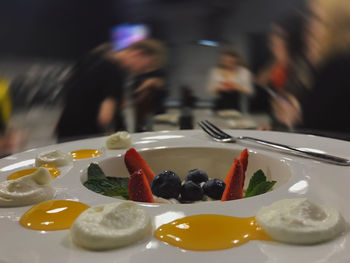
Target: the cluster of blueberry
(167, 184)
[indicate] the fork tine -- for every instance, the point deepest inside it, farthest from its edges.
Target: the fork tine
(208, 130)
(217, 130)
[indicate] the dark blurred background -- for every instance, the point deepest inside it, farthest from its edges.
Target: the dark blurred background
(40, 40)
(67, 29)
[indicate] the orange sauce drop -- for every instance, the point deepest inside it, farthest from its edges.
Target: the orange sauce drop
(54, 171)
(52, 215)
(210, 232)
(84, 154)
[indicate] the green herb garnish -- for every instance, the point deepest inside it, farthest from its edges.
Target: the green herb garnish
(98, 185)
(106, 185)
(119, 181)
(117, 191)
(95, 172)
(257, 178)
(258, 184)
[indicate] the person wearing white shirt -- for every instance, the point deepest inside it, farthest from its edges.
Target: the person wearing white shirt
(230, 82)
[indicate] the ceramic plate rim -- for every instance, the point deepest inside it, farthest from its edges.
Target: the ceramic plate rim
(153, 249)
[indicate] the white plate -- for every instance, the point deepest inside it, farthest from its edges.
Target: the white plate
(298, 177)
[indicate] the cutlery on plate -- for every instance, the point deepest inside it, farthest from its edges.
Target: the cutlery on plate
(218, 135)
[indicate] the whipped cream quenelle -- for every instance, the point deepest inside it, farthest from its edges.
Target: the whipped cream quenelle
(119, 140)
(110, 226)
(27, 190)
(299, 221)
(55, 157)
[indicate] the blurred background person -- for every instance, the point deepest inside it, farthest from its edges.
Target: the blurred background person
(94, 91)
(274, 74)
(230, 82)
(289, 71)
(11, 139)
(5, 103)
(149, 91)
(325, 107)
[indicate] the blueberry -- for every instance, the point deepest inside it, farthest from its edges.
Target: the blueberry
(166, 184)
(197, 176)
(190, 191)
(214, 188)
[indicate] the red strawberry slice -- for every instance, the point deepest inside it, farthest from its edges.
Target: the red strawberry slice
(243, 157)
(134, 162)
(139, 189)
(234, 182)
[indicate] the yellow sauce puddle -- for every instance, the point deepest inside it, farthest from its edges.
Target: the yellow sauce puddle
(84, 154)
(54, 171)
(52, 215)
(210, 232)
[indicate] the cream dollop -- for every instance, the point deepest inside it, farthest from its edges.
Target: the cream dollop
(110, 226)
(27, 190)
(300, 221)
(119, 140)
(55, 157)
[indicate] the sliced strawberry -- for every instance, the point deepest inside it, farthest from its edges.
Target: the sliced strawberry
(243, 157)
(139, 189)
(234, 182)
(134, 162)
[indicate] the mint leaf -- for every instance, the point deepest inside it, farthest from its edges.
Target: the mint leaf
(98, 185)
(95, 172)
(118, 191)
(256, 179)
(109, 186)
(258, 184)
(261, 188)
(119, 181)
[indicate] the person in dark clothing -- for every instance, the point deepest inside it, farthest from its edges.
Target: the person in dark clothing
(94, 91)
(290, 71)
(325, 106)
(148, 95)
(94, 79)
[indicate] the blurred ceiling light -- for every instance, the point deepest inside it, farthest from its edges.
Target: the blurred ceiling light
(208, 43)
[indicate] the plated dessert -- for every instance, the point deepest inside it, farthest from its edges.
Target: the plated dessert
(188, 197)
(144, 185)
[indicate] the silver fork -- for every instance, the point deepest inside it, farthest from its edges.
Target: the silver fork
(221, 136)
